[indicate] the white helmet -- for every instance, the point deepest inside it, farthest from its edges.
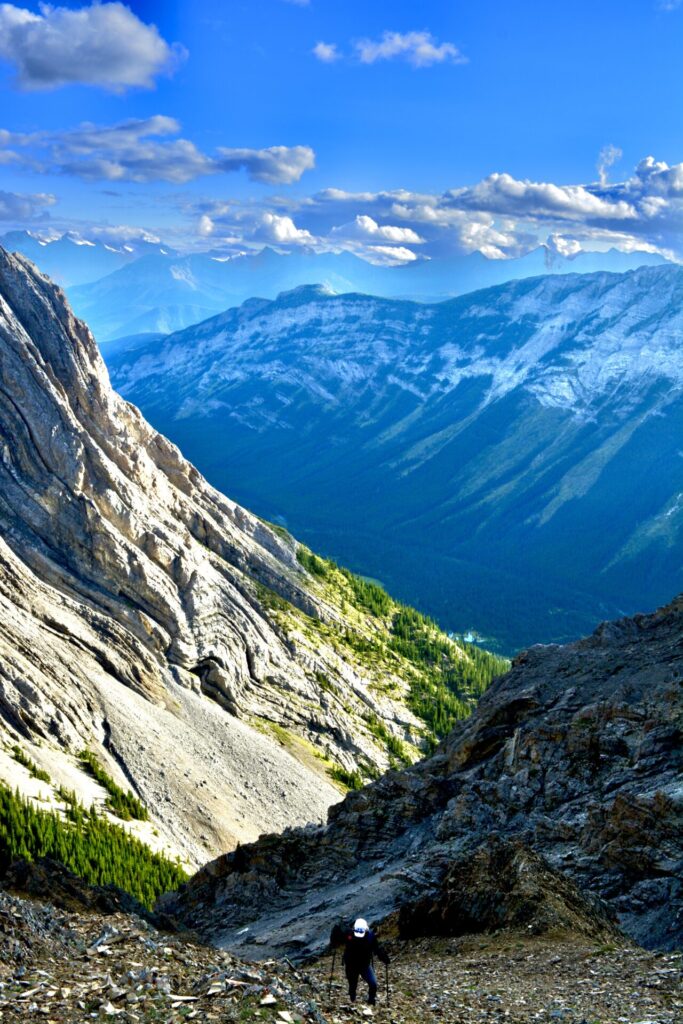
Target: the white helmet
(360, 928)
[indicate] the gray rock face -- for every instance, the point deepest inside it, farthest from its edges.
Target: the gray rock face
(576, 753)
(131, 591)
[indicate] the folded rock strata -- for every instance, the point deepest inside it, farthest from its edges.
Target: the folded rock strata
(131, 592)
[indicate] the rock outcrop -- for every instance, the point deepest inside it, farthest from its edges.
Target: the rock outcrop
(575, 753)
(505, 886)
(150, 618)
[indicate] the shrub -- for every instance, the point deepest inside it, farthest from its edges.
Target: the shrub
(368, 595)
(352, 780)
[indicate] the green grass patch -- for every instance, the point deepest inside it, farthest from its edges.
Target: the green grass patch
(271, 600)
(99, 851)
(324, 682)
(318, 566)
(396, 748)
(124, 804)
(21, 758)
(350, 780)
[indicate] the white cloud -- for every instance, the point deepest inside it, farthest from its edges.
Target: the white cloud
(281, 230)
(326, 52)
(278, 165)
(103, 44)
(564, 246)
(417, 48)
(389, 255)
(141, 150)
(116, 234)
(205, 226)
(501, 193)
(17, 207)
(607, 158)
(364, 227)
(500, 217)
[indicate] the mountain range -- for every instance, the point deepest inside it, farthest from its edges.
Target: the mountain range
(168, 640)
(156, 634)
(168, 292)
(70, 259)
(510, 459)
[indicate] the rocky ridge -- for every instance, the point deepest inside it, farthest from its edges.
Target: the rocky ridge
(149, 618)
(576, 754)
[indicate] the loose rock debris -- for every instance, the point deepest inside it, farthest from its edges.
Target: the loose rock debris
(66, 968)
(71, 968)
(516, 980)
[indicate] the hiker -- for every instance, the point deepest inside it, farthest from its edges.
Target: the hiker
(360, 944)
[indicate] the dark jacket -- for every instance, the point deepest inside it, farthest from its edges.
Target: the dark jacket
(358, 953)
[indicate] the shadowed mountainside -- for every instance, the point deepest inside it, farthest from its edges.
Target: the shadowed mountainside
(575, 753)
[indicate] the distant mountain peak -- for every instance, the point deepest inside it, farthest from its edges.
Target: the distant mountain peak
(305, 293)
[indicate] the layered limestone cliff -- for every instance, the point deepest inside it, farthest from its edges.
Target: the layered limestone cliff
(147, 617)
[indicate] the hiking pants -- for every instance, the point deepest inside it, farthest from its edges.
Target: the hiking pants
(367, 974)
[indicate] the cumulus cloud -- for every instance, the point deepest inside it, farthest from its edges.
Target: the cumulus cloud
(501, 193)
(282, 231)
(278, 165)
(143, 150)
(564, 246)
(205, 226)
(364, 227)
(501, 217)
(326, 52)
(104, 44)
(17, 207)
(417, 48)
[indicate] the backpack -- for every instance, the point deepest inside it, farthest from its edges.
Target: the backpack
(341, 931)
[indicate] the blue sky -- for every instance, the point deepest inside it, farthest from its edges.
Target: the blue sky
(394, 130)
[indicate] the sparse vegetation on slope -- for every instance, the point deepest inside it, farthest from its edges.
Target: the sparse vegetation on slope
(99, 851)
(23, 759)
(124, 805)
(449, 685)
(404, 653)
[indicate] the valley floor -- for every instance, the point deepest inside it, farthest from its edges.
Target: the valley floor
(71, 967)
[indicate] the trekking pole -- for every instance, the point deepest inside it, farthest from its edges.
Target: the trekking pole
(329, 987)
(386, 970)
